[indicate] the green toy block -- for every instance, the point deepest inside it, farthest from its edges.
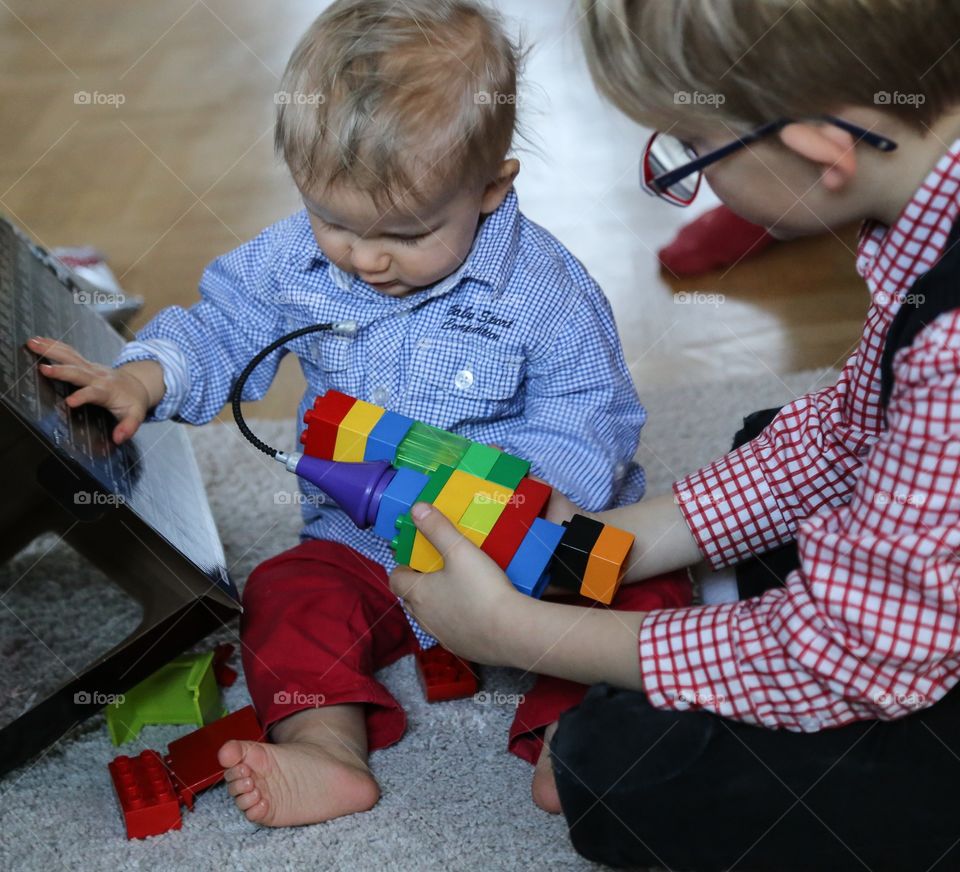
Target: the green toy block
(438, 478)
(479, 459)
(426, 448)
(509, 470)
(402, 543)
(182, 692)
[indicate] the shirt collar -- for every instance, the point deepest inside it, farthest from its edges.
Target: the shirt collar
(890, 259)
(491, 259)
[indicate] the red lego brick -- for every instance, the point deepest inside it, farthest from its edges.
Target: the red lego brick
(146, 795)
(526, 505)
(193, 758)
(225, 675)
(445, 676)
(323, 422)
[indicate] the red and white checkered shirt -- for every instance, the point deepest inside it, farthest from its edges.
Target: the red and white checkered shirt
(869, 626)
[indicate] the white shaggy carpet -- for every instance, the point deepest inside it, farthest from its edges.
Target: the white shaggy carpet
(452, 797)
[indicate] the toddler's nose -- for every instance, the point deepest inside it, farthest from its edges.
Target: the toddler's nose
(369, 259)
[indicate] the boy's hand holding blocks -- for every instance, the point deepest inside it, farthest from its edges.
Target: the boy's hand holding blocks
(487, 493)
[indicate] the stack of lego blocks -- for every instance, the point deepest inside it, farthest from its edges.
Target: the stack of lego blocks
(486, 492)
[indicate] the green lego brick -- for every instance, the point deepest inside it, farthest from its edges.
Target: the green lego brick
(182, 692)
(509, 470)
(479, 459)
(402, 543)
(438, 478)
(426, 448)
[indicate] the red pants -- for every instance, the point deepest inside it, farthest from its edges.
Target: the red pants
(319, 620)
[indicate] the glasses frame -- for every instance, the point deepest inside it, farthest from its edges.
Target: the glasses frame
(659, 186)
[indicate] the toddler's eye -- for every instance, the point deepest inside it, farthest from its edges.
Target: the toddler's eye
(412, 240)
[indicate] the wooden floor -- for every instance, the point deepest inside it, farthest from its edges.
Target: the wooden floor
(169, 163)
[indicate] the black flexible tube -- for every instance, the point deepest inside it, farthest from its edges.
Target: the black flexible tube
(237, 391)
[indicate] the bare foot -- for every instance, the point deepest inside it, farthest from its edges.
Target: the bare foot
(316, 771)
(544, 785)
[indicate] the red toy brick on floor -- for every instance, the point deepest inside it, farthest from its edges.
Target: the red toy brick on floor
(146, 796)
(445, 676)
(224, 674)
(193, 758)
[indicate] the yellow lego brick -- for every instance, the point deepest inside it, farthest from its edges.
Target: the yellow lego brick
(353, 431)
(459, 493)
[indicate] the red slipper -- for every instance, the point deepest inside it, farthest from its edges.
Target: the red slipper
(717, 239)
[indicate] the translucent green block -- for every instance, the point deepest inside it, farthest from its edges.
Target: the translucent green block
(427, 448)
(508, 470)
(479, 459)
(182, 692)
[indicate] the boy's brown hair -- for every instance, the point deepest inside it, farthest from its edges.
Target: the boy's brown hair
(752, 61)
(398, 97)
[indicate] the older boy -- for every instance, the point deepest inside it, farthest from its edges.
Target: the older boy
(395, 120)
(816, 726)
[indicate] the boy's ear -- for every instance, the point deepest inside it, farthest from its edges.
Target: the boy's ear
(826, 145)
(494, 193)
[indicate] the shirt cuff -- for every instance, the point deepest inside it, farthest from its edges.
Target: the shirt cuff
(731, 510)
(176, 373)
(688, 660)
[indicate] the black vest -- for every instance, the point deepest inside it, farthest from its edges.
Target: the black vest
(935, 292)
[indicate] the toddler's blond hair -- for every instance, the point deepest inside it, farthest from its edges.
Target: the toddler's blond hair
(395, 98)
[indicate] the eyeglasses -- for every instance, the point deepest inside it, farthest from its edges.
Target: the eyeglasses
(672, 170)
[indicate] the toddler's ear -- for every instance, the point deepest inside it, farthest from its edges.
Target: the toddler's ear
(826, 145)
(499, 188)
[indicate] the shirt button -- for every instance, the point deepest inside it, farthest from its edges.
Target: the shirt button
(381, 396)
(463, 379)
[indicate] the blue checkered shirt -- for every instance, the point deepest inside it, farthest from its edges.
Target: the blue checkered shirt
(518, 348)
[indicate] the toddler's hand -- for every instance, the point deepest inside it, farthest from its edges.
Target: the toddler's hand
(118, 390)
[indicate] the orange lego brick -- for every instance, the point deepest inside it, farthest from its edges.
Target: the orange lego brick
(607, 564)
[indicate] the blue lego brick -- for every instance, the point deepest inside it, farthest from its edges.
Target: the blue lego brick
(529, 568)
(386, 435)
(398, 499)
